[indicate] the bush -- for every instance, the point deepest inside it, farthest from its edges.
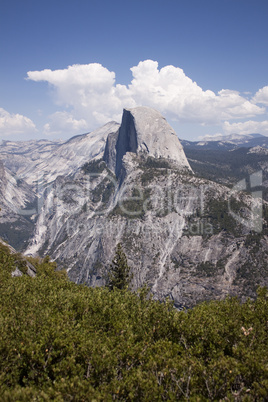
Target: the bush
(66, 342)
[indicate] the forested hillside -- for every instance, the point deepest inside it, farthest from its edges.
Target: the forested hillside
(66, 342)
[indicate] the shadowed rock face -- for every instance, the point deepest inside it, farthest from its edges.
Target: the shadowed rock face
(109, 155)
(144, 131)
(127, 139)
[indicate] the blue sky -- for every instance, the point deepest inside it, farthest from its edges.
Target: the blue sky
(202, 64)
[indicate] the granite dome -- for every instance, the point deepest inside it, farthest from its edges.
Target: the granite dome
(144, 131)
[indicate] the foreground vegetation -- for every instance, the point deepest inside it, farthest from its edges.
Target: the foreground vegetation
(66, 342)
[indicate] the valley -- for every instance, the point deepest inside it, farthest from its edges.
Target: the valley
(192, 217)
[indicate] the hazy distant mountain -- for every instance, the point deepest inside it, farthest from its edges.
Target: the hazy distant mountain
(228, 142)
(231, 137)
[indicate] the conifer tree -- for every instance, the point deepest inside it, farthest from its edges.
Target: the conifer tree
(119, 275)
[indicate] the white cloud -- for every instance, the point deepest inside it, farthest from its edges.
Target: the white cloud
(11, 124)
(62, 122)
(171, 92)
(211, 137)
(247, 127)
(90, 91)
(92, 97)
(262, 96)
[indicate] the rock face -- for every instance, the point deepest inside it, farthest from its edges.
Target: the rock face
(176, 232)
(182, 234)
(27, 168)
(16, 196)
(144, 131)
(258, 150)
(46, 160)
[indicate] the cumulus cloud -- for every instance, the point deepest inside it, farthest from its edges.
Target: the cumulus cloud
(11, 124)
(262, 96)
(247, 127)
(62, 122)
(173, 93)
(89, 90)
(92, 96)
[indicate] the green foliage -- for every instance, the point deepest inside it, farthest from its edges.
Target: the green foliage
(152, 168)
(119, 275)
(217, 213)
(135, 206)
(150, 174)
(103, 191)
(156, 163)
(66, 342)
(94, 167)
(9, 262)
(206, 269)
(226, 166)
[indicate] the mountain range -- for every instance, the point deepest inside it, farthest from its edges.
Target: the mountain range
(192, 217)
(228, 142)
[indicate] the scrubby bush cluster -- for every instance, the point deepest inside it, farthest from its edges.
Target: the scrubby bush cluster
(66, 342)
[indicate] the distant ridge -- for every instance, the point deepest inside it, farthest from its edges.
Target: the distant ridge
(229, 142)
(230, 137)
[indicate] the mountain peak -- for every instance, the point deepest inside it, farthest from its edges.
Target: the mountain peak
(145, 131)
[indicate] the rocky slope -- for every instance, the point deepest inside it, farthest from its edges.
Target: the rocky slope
(46, 160)
(28, 168)
(187, 237)
(17, 208)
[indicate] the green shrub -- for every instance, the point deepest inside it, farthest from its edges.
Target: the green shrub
(66, 342)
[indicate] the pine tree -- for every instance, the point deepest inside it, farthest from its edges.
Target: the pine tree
(119, 275)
